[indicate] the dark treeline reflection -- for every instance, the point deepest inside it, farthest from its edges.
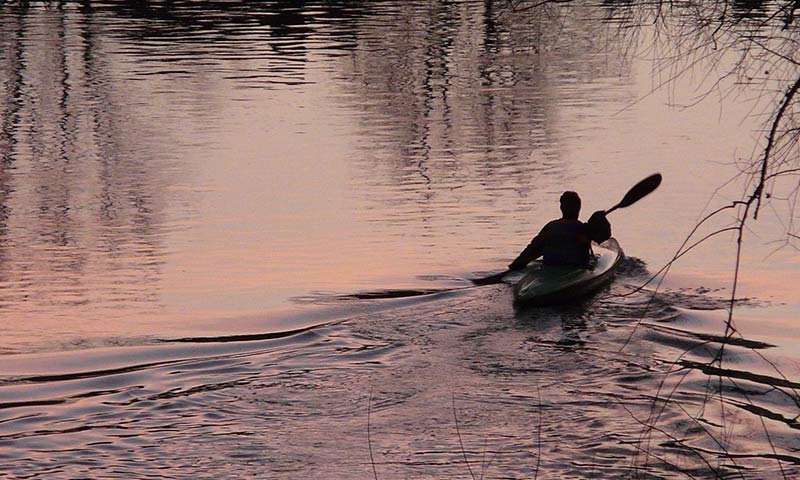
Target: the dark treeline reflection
(79, 212)
(452, 99)
(85, 170)
(468, 101)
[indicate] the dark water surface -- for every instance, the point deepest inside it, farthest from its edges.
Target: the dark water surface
(199, 202)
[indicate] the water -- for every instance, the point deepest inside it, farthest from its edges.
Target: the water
(192, 195)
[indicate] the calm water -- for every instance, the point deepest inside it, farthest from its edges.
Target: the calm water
(189, 192)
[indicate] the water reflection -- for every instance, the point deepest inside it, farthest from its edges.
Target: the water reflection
(81, 214)
(171, 167)
(750, 9)
(116, 119)
(461, 105)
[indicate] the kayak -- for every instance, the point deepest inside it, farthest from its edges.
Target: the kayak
(550, 285)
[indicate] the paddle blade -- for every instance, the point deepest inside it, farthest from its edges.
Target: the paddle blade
(639, 191)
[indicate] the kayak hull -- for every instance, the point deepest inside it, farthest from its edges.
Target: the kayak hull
(552, 285)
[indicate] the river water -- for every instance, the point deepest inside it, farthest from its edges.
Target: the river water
(195, 198)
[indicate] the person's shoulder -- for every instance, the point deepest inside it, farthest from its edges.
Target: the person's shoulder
(552, 224)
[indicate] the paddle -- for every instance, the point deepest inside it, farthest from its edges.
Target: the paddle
(636, 193)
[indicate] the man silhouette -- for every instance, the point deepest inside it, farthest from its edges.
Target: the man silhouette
(567, 240)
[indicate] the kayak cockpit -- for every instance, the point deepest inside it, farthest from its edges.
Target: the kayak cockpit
(548, 285)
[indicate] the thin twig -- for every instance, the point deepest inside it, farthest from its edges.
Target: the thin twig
(765, 162)
(460, 442)
(369, 438)
(538, 434)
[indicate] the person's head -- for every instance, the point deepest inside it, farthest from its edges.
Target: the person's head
(570, 205)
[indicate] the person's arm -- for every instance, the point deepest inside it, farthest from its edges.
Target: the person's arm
(531, 252)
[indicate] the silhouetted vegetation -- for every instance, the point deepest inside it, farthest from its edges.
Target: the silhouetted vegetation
(725, 45)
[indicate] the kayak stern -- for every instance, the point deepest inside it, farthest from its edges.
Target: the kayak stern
(551, 285)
